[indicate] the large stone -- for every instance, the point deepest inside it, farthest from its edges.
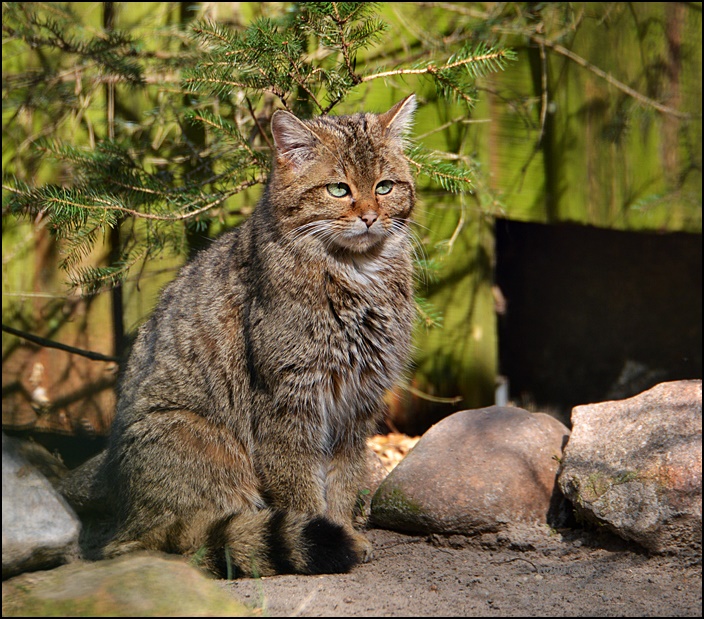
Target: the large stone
(39, 529)
(138, 585)
(42, 460)
(635, 466)
(475, 471)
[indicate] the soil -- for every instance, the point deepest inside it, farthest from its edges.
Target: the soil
(537, 572)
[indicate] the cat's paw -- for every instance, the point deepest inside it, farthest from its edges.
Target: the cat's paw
(362, 546)
(117, 549)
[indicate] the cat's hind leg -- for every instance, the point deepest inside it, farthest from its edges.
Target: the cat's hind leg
(176, 473)
(187, 486)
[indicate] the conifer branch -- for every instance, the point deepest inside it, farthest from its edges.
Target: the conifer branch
(448, 176)
(492, 57)
(238, 70)
(193, 81)
(219, 124)
(105, 205)
(344, 44)
(396, 72)
(263, 133)
(433, 69)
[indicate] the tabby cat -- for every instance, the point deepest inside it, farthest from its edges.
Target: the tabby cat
(243, 412)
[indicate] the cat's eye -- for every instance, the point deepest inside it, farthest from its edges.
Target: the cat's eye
(338, 190)
(384, 187)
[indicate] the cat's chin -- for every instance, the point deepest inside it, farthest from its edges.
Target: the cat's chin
(359, 239)
(360, 244)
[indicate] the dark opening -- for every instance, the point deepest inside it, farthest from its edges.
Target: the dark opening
(593, 314)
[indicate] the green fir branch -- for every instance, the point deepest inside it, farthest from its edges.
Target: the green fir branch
(447, 175)
(114, 52)
(306, 58)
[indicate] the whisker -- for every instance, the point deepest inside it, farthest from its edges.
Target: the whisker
(326, 232)
(313, 229)
(402, 225)
(413, 222)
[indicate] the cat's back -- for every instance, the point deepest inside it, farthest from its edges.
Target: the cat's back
(194, 328)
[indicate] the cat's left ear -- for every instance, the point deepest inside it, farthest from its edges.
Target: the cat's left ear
(294, 141)
(399, 118)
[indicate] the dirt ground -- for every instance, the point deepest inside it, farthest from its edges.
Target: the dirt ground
(536, 573)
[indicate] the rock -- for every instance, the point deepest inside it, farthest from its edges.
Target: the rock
(39, 529)
(46, 463)
(137, 585)
(635, 466)
(375, 475)
(473, 472)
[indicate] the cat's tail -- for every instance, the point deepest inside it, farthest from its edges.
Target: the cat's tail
(86, 488)
(270, 542)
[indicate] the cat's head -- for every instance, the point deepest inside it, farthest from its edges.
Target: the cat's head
(343, 181)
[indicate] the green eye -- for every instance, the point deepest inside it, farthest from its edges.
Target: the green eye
(338, 190)
(384, 187)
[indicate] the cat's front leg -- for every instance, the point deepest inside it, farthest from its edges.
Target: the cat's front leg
(299, 476)
(347, 475)
(290, 465)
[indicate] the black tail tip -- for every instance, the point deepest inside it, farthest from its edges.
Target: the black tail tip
(330, 547)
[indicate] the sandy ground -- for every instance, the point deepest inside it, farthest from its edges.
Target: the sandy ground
(542, 573)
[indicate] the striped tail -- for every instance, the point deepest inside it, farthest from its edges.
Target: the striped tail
(271, 542)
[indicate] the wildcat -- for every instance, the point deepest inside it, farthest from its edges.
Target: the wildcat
(243, 412)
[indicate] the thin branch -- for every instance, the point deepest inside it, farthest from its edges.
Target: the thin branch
(300, 80)
(544, 94)
(433, 398)
(450, 177)
(110, 276)
(490, 56)
(35, 339)
(259, 127)
(433, 69)
(609, 78)
(203, 80)
(458, 91)
(559, 49)
(345, 45)
(369, 78)
(454, 121)
(458, 228)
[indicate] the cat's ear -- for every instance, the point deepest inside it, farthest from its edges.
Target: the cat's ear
(294, 141)
(399, 118)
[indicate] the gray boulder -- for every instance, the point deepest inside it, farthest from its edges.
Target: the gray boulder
(475, 471)
(635, 466)
(39, 529)
(138, 585)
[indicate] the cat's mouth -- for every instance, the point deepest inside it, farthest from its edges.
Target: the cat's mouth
(360, 238)
(347, 236)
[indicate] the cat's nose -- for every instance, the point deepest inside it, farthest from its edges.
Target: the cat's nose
(369, 218)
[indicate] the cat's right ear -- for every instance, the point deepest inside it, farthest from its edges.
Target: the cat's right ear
(399, 118)
(294, 141)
